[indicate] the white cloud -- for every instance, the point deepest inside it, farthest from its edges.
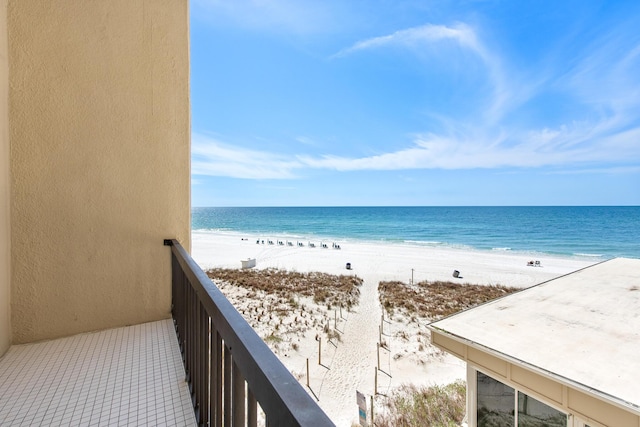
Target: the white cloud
(417, 37)
(214, 158)
(502, 97)
(606, 79)
(571, 147)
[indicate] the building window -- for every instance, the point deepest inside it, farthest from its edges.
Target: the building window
(498, 407)
(496, 403)
(533, 413)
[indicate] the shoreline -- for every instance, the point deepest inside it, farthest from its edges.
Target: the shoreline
(586, 257)
(389, 261)
(350, 362)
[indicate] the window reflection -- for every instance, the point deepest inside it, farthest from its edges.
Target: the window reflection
(533, 413)
(496, 402)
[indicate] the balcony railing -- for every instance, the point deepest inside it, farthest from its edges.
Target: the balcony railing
(229, 368)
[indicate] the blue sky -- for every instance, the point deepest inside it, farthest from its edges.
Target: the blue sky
(401, 103)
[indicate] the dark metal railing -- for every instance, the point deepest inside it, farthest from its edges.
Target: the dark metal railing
(229, 369)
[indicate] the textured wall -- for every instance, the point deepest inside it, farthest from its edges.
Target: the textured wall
(99, 131)
(5, 243)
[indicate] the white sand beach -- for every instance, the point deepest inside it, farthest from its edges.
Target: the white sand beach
(350, 363)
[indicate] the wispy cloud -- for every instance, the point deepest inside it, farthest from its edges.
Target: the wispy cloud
(560, 147)
(570, 147)
(417, 37)
(432, 37)
(606, 80)
(214, 158)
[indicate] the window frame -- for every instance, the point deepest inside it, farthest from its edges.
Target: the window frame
(472, 400)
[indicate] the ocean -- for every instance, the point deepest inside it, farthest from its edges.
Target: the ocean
(593, 232)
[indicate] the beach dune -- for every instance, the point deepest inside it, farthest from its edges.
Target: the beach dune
(351, 363)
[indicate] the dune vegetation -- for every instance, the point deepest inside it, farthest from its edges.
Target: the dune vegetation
(327, 289)
(286, 307)
(435, 300)
(436, 406)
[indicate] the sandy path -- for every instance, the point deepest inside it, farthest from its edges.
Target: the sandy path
(352, 367)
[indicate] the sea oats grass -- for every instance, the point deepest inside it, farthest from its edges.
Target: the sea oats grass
(435, 300)
(435, 406)
(328, 289)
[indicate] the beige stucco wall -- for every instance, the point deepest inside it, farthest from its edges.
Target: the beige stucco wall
(99, 131)
(5, 242)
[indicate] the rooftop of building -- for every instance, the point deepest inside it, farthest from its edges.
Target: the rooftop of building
(582, 329)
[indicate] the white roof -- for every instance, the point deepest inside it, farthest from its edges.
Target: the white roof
(583, 327)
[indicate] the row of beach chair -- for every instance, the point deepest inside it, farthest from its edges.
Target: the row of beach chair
(299, 244)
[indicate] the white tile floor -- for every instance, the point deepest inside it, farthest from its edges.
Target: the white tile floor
(130, 376)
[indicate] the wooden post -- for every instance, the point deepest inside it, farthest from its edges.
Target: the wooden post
(372, 411)
(378, 351)
(341, 311)
(375, 383)
(319, 350)
(335, 319)
(380, 334)
(308, 372)
(412, 276)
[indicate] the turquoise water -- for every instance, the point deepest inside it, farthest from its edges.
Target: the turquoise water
(593, 232)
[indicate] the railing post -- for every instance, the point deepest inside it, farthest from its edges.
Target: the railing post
(252, 409)
(238, 397)
(216, 381)
(227, 386)
(203, 363)
(197, 354)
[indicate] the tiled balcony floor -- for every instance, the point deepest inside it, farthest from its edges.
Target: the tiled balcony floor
(130, 376)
